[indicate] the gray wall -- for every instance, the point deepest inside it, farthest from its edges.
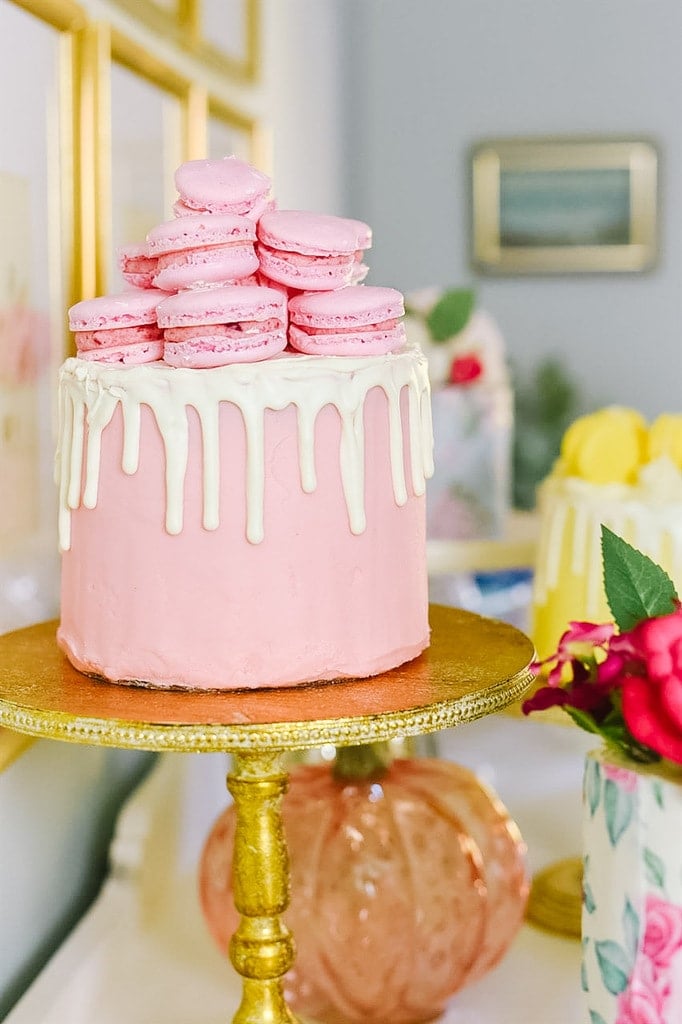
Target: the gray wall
(426, 80)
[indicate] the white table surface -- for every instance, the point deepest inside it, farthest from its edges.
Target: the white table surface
(141, 955)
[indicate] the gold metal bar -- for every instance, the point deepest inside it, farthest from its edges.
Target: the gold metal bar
(69, 241)
(65, 15)
(189, 16)
(12, 746)
(253, 69)
(92, 159)
(195, 123)
(262, 949)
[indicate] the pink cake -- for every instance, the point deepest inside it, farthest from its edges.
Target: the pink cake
(249, 525)
(232, 514)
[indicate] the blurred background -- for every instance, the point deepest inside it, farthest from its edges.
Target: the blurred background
(366, 108)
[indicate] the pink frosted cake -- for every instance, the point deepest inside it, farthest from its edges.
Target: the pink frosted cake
(255, 523)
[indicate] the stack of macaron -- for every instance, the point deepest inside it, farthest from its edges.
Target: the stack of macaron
(119, 328)
(233, 279)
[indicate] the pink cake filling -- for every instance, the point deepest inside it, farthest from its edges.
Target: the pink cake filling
(317, 275)
(251, 208)
(205, 351)
(362, 342)
(299, 259)
(126, 355)
(203, 255)
(236, 330)
(385, 325)
(86, 341)
(138, 265)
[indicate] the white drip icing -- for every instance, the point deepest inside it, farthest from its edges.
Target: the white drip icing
(90, 393)
(643, 514)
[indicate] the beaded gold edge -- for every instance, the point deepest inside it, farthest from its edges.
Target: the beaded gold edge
(270, 736)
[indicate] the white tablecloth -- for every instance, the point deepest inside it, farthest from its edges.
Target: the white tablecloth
(141, 955)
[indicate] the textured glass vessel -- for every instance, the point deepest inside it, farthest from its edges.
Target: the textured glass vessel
(408, 882)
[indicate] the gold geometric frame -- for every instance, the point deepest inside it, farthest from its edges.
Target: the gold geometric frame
(492, 158)
(86, 51)
(184, 29)
(67, 18)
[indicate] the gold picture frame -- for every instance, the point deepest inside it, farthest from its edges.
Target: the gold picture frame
(579, 205)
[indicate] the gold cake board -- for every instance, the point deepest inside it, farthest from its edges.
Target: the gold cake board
(473, 667)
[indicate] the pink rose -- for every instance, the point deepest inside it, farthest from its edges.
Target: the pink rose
(658, 642)
(662, 932)
(646, 714)
(643, 1001)
(623, 777)
(465, 369)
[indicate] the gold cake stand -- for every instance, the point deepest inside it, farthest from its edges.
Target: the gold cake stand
(473, 667)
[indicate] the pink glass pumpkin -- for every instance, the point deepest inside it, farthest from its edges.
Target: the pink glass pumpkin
(407, 883)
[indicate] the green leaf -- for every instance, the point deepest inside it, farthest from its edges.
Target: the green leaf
(657, 787)
(614, 966)
(584, 984)
(592, 784)
(451, 313)
(636, 587)
(655, 868)
(588, 899)
(583, 719)
(631, 928)
(618, 807)
(596, 1018)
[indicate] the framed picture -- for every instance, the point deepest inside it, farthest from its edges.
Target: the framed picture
(564, 205)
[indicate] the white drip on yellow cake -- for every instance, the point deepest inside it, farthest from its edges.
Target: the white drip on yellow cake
(645, 509)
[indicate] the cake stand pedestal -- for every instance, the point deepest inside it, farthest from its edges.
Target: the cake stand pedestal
(473, 667)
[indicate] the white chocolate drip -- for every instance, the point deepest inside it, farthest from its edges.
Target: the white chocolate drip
(646, 515)
(90, 392)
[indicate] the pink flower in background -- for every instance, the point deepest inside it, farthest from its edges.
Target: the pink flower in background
(24, 344)
(623, 777)
(643, 1001)
(663, 931)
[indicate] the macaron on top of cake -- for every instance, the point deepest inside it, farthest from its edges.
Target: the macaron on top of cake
(222, 186)
(136, 265)
(203, 248)
(310, 251)
(214, 326)
(358, 320)
(119, 328)
(128, 309)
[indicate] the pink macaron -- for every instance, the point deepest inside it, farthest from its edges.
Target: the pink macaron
(222, 186)
(310, 251)
(354, 321)
(119, 328)
(214, 326)
(137, 266)
(203, 249)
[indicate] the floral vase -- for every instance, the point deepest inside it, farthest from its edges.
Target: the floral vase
(407, 882)
(632, 892)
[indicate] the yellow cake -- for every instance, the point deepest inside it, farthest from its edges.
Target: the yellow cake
(617, 470)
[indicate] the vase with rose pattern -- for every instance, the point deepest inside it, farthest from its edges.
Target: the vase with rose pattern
(623, 682)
